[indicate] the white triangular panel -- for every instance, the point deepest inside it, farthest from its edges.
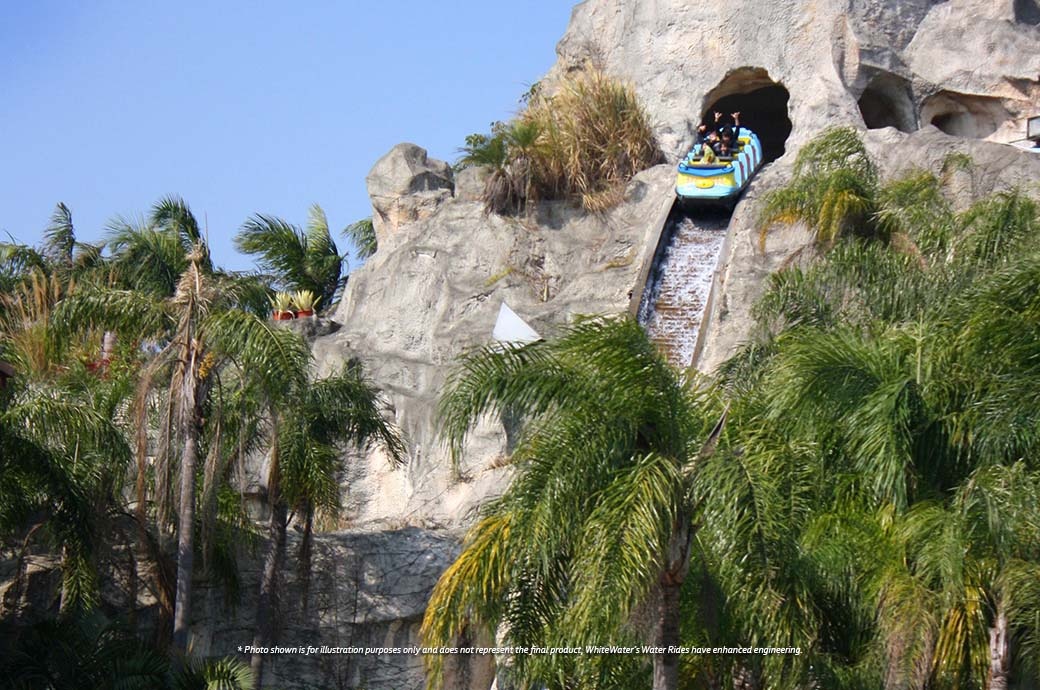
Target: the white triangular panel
(510, 328)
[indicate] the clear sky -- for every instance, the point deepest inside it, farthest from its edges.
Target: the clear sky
(245, 107)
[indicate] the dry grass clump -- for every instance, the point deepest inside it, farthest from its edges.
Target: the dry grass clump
(583, 143)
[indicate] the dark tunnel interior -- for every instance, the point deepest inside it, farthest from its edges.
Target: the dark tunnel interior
(1027, 12)
(886, 102)
(762, 110)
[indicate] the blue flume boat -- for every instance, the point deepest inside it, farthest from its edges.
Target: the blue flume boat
(722, 180)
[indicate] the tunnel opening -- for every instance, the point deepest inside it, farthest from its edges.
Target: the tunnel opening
(762, 104)
(963, 115)
(1027, 12)
(887, 102)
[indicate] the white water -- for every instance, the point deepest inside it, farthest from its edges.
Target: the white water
(678, 287)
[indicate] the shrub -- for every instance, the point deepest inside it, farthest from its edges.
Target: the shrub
(305, 300)
(582, 143)
(833, 190)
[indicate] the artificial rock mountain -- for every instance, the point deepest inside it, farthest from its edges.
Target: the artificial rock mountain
(907, 70)
(919, 78)
(922, 79)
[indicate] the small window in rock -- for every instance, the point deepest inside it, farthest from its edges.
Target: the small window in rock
(886, 102)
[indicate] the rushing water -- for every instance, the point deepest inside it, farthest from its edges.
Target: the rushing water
(679, 284)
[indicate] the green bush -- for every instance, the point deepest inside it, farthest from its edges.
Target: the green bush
(582, 143)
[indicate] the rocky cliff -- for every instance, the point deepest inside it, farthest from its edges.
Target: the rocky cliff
(921, 78)
(434, 289)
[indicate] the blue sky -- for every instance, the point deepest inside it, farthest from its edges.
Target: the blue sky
(244, 107)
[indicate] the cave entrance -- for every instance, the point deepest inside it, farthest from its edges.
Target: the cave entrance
(886, 102)
(964, 115)
(762, 104)
(1027, 12)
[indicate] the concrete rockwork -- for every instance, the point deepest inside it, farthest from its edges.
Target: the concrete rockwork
(443, 267)
(433, 291)
(366, 590)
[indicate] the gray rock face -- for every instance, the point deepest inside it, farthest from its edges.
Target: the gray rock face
(969, 66)
(925, 77)
(366, 590)
(406, 185)
(469, 183)
(433, 290)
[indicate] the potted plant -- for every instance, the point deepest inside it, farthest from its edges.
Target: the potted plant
(281, 306)
(305, 303)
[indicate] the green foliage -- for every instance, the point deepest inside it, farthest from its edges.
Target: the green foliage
(297, 259)
(213, 674)
(611, 436)
(63, 459)
(145, 258)
(88, 651)
(200, 395)
(904, 358)
(60, 237)
(582, 143)
(871, 500)
(59, 256)
(832, 191)
(340, 409)
(484, 149)
(16, 260)
(362, 234)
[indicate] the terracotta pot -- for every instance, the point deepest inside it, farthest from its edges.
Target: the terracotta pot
(304, 312)
(283, 316)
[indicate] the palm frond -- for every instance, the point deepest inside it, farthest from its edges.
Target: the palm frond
(995, 228)
(625, 541)
(172, 213)
(469, 590)
(146, 258)
(346, 407)
(362, 234)
(281, 247)
(127, 311)
(214, 674)
(277, 357)
(60, 237)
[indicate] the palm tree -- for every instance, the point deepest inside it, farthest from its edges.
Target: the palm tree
(910, 365)
(978, 558)
(66, 449)
(598, 519)
(60, 256)
(201, 332)
(64, 253)
(87, 650)
(305, 459)
(833, 190)
(61, 461)
(297, 259)
(151, 255)
(362, 234)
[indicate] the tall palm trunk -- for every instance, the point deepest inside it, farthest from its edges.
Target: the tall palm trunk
(666, 628)
(108, 346)
(666, 634)
(191, 426)
(999, 651)
(267, 602)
